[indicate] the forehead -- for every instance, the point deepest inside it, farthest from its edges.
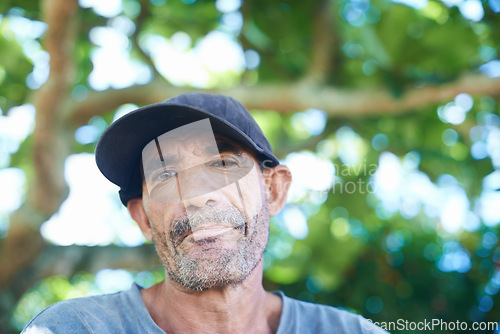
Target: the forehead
(198, 145)
(167, 149)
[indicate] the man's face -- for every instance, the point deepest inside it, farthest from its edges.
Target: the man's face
(207, 208)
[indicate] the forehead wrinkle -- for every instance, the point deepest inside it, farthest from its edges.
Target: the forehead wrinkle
(154, 162)
(222, 147)
(201, 148)
(175, 153)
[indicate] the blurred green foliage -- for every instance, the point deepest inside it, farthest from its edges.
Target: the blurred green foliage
(384, 264)
(345, 259)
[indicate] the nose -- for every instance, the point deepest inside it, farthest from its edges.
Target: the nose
(198, 187)
(200, 201)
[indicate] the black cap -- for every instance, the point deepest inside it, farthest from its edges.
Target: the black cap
(119, 150)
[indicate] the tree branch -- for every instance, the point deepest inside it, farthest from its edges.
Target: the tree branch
(288, 98)
(68, 260)
(139, 21)
(48, 189)
(324, 39)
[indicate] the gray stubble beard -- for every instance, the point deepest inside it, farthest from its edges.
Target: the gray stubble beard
(232, 267)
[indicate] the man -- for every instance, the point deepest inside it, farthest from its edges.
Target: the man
(198, 176)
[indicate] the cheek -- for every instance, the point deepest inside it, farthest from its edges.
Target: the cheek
(160, 237)
(247, 193)
(160, 215)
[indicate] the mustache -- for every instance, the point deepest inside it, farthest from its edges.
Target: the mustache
(227, 216)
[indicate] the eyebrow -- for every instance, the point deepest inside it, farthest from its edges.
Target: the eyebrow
(220, 147)
(152, 164)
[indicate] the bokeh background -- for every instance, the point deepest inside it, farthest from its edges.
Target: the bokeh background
(387, 113)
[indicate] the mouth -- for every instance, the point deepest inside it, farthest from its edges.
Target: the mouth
(211, 232)
(202, 233)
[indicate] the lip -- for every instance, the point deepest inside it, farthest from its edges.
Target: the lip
(209, 232)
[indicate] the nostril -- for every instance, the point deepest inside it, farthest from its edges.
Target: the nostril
(193, 207)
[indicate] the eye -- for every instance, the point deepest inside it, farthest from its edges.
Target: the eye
(224, 163)
(163, 175)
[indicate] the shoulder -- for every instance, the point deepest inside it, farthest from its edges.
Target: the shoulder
(67, 315)
(96, 314)
(304, 317)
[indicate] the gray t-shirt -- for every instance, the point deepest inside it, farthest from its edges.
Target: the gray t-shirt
(125, 312)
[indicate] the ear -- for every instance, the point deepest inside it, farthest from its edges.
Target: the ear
(278, 180)
(138, 214)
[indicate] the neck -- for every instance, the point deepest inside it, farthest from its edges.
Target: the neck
(241, 308)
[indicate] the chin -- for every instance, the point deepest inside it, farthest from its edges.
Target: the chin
(200, 274)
